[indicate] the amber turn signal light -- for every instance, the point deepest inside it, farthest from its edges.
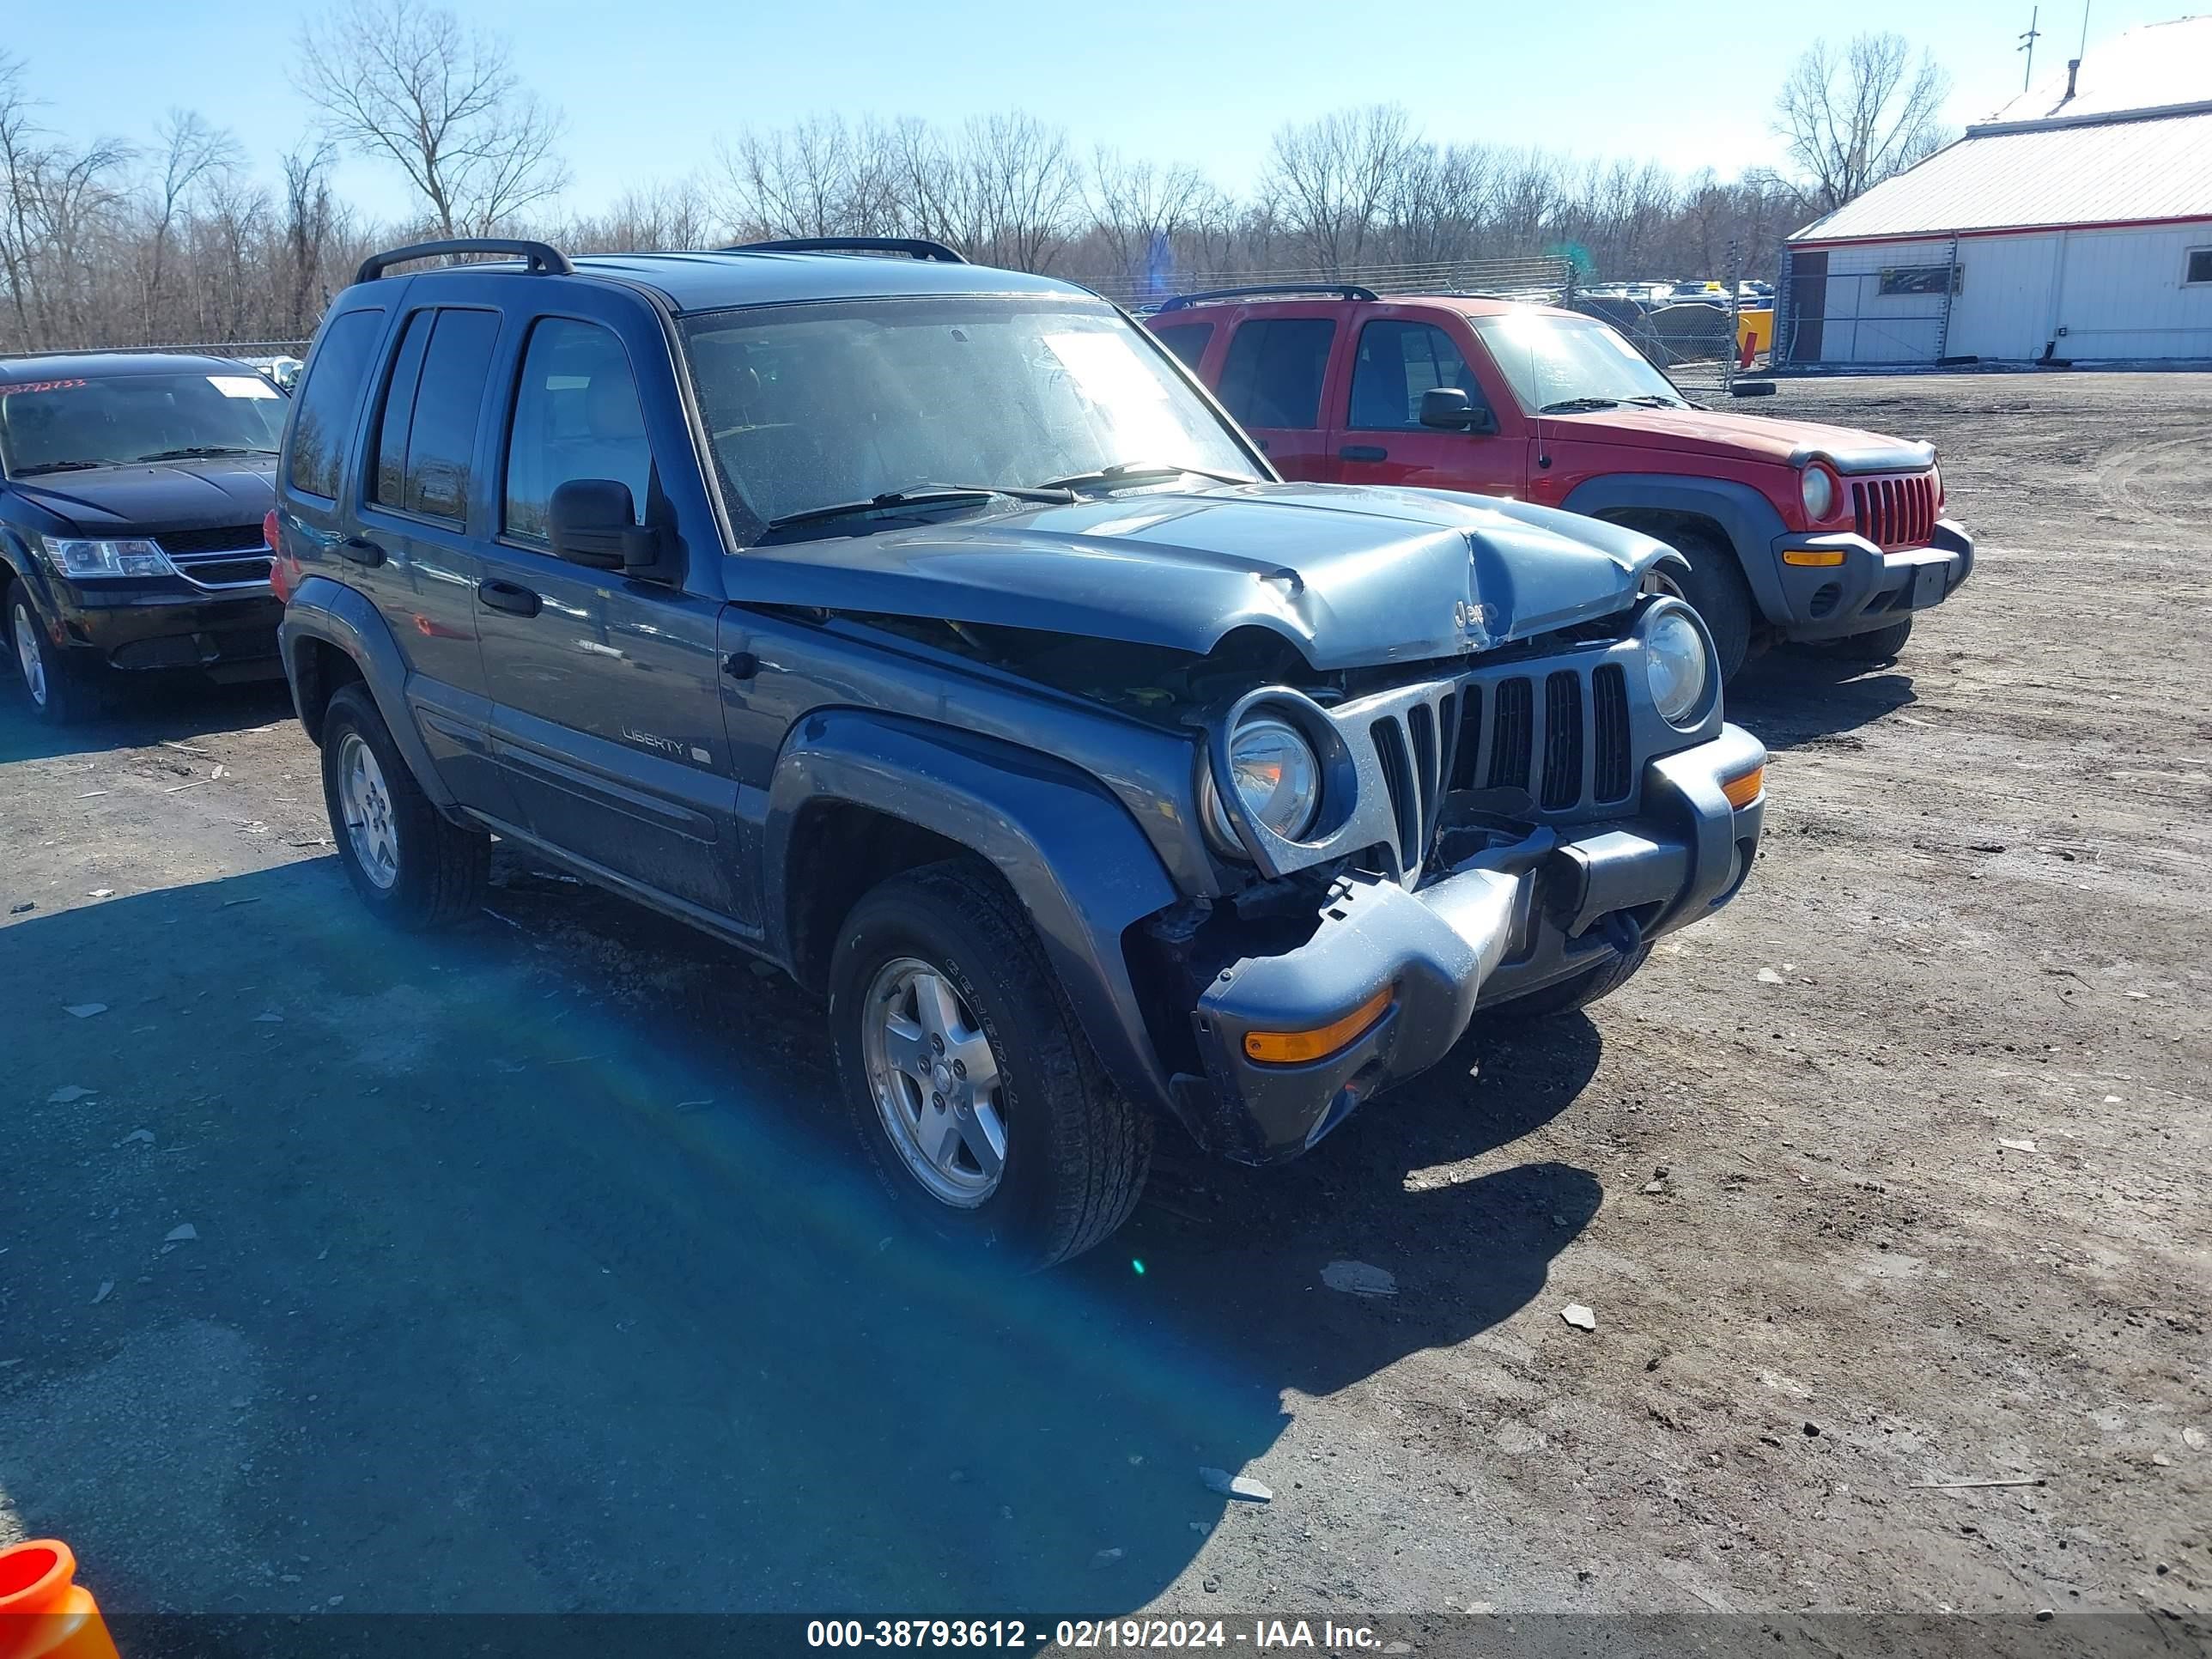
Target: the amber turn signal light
(1741, 791)
(1817, 557)
(1291, 1047)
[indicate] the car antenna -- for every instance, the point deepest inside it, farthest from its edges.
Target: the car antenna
(1536, 382)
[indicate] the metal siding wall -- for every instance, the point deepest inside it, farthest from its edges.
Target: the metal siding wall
(2122, 295)
(1867, 326)
(2003, 309)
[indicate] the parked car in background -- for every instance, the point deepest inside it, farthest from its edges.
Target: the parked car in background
(133, 488)
(924, 631)
(1792, 530)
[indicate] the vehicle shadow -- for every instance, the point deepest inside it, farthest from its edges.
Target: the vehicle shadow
(1791, 697)
(528, 1272)
(139, 713)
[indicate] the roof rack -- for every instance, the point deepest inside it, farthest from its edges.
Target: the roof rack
(542, 257)
(1342, 291)
(915, 248)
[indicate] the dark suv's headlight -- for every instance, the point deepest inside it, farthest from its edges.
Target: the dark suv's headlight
(1677, 667)
(1278, 778)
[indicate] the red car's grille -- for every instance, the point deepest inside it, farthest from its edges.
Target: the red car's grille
(1894, 513)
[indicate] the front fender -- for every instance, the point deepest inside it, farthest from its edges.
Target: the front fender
(1745, 516)
(340, 616)
(1071, 852)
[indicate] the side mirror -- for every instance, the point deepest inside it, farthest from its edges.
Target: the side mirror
(591, 521)
(1451, 410)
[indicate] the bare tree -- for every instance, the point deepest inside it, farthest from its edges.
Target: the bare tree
(1328, 179)
(310, 220)
(1852, 121)
(404, 82)
(1138, 207)
(192, 152)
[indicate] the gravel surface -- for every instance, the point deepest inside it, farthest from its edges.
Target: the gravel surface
(522, 1276)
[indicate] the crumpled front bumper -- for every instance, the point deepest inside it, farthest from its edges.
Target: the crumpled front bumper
(1870, 588)
(1510, 921)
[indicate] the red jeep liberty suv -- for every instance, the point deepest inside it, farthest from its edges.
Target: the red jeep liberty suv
(1793, 530)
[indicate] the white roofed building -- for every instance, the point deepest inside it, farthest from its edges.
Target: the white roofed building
(2074, 225)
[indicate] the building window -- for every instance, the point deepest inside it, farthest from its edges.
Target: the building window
(1924, 279)
(2200, 265)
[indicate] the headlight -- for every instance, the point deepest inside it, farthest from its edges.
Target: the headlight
(1277, 778)
(72, 557)
(1675, 664)
(1819, 490)
(1936, 483)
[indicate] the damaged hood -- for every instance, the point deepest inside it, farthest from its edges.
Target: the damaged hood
(1353, 577)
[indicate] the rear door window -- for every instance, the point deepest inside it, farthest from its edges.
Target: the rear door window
(1273, 374)
(427, 437)
(322, 420)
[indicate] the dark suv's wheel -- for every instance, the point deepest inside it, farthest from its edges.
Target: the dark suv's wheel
(1581, 991)
(1715, 590)
(61, 692)
(410, 865)
(1877, 645)
(976, 1099)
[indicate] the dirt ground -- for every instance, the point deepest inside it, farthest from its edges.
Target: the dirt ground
(520, 1274)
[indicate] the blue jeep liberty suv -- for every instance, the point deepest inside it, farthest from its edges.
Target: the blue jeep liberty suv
(929, 631)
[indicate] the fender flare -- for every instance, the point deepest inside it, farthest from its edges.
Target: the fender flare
(17, 563)
(1745, 516)
(1070, 850)
(340, 616)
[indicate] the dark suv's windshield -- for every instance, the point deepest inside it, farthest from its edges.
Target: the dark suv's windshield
(61, 424)
(813, 406)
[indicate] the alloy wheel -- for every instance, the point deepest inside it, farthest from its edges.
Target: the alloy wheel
(369, 827)
(936, 1082)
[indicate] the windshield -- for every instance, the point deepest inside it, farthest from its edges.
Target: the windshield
(816, 405)
(1557, 360)
(56, 425)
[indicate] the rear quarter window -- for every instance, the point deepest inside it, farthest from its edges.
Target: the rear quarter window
(329, 398)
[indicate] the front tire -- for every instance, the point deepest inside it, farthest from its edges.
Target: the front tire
(410, 865)
(61, 693)
(973, 1095)
(1584, 989)
(1876, 645)
(1715, 588)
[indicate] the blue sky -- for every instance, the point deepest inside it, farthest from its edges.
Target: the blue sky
(647, 84)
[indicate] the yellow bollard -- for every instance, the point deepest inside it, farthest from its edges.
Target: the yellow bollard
(44, 1614)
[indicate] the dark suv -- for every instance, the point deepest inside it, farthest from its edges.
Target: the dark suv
(930, 632)
(134, 490)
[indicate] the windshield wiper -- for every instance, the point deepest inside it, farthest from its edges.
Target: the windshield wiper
(60, 467)
(1129, 472)
(1657, 400)
(1576, 405)
(928, 495)
(195, 451)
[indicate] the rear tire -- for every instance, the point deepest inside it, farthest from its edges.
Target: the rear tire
(1877, 645)
(60, 691)
(1715, 588)
(939, 967)
(411, 867)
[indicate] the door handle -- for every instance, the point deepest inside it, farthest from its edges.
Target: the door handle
(741, 665)
(358, 550)
(510, 596)
(1363, 452)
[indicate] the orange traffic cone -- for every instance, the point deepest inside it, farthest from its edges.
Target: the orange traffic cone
(44, 1614)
